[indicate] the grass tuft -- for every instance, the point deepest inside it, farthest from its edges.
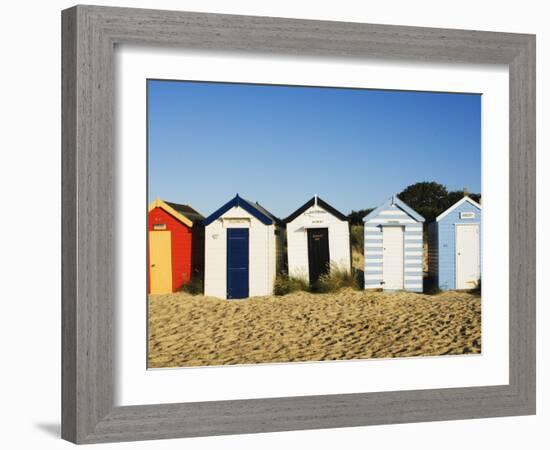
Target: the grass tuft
(285, 284)
(195, 286)
(338, 278)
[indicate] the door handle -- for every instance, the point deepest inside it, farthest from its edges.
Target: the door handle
(152, 265)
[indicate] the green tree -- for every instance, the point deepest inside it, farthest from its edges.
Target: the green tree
(427, 198)
(452, 198)
(475, 197)
(455, 196)
(356, 217)
(430, 199)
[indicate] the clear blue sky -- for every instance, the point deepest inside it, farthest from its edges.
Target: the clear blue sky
(281, 145)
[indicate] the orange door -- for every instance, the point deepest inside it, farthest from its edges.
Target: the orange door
(160, 262)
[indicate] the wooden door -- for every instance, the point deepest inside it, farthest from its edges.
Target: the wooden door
(237, 262)
(467, 256)
(393, 257)
(318, 253)
(160, 262)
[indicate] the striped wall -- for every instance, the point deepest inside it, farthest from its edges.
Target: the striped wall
(393, 215)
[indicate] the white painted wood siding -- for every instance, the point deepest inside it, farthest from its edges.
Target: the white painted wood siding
(263, 260)
(296, 234)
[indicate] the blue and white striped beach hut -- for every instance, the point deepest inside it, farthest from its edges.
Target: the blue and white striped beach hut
(393, 247)
(454, 246)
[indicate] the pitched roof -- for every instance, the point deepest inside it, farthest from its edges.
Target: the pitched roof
(312, 202)
(184, 213)
(395, 200)
(189, 212)
(264, 211)
(451, 208)
(253, 208)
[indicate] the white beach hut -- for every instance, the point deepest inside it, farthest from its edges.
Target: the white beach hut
(243, 250)
(393, 247)
(317, 237)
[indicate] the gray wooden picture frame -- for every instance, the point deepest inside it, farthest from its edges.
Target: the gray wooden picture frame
(89, 36)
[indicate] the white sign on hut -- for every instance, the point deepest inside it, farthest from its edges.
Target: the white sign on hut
(317, 238)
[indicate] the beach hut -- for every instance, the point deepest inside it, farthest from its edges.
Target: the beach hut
(317, 237)
(454, 246)
(243, 250)
(175, 246)
(393, 247)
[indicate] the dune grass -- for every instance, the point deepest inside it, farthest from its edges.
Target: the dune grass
(195, 286)
(336, 279)
(285, 284)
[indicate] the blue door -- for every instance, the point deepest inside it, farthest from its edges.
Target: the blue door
(237, 262)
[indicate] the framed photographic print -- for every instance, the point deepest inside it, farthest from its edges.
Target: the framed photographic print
(268, 222)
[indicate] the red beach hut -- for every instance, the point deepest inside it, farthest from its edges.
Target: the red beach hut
(175, 246)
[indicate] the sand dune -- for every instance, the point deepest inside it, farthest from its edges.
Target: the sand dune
(186, 330)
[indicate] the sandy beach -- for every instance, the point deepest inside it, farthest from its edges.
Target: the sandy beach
(186, 330)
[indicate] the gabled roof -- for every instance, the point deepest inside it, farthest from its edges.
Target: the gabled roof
(186, 210)
(255, 209)
(394, 200)
(456, 205)
(184, 213)
(312, 202)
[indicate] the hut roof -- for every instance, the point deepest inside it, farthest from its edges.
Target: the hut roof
(394, 200)
(189, 212)
(184, 213)
(315, 201)
(253, 208)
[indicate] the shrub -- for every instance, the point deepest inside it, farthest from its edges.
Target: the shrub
(356, 217)
(285, 284)
(357, 237)
(195, 286)
(337, 278)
